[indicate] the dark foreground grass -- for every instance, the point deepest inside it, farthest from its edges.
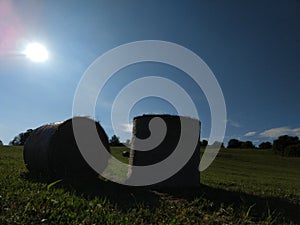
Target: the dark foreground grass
(241, 187)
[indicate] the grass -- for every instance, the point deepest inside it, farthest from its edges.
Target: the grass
(240, 187)
(257, 172)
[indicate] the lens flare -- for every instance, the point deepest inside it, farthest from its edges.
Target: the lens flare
(36, 52)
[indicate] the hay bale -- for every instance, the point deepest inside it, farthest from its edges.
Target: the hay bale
(189, 175)
(51, 149)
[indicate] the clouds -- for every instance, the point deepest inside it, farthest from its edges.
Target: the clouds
(233, 123)
(274, 132)
(127, 127)
(250, 134)
(279, 131)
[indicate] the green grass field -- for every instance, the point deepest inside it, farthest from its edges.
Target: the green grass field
(240, 187)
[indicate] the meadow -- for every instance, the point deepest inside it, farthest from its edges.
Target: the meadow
(240, 187)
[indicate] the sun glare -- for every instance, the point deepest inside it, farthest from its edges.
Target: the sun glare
(36, 52)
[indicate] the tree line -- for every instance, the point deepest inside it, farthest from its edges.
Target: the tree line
(287, 146)
(284, 145)
(21, 138)
(235, 143)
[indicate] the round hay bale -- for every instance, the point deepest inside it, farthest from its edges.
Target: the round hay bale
(51, 149)
(189, 175)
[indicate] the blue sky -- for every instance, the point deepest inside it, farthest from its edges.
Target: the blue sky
(253, 48)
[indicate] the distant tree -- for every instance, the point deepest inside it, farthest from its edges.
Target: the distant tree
(216, 143)
(282, 142)
(21, 138)
(292, 150)
(234, 143)
(115, 141)
(247, 144)
(127, 142)
(204, 143)
(265, 145)
(1, 143)
(15, 141)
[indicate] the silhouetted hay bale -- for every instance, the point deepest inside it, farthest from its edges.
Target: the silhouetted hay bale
(37, 148)
(189, 175)
(52, 150)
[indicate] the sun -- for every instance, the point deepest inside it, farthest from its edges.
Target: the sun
(36, 52)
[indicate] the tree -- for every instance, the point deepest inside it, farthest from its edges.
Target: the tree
(292, 150)
(247, 144)
(127, 142)
(1, 143)
(21, 138)
(265, 145)
(282, 142)
(115, 141)
(234, 143)
(217, 143)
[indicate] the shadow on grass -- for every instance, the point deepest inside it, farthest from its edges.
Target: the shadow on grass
(126, 197)
(260, 206)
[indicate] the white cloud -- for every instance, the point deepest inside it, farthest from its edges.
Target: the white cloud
(250, 134)
(233, 123)
(279, 131)
(127, 127)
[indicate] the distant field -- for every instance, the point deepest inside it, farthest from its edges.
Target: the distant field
(258, 172)
(240, 187)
